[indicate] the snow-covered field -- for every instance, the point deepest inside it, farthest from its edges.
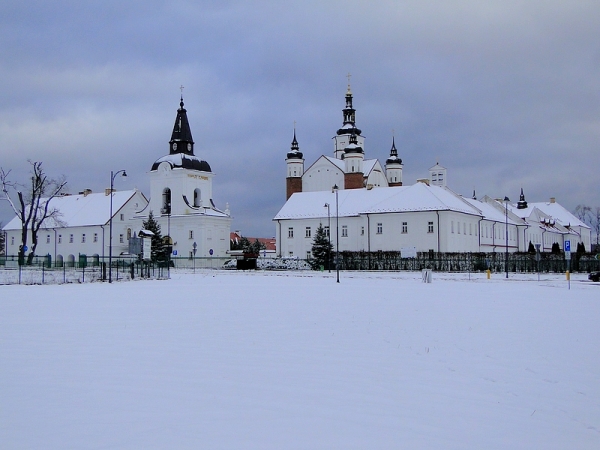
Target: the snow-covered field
(293, 360)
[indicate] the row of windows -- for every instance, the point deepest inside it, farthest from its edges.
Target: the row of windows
(461, 228)
(84, 238)
(404, 230)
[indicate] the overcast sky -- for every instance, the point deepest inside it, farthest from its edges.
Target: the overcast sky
(504, 94)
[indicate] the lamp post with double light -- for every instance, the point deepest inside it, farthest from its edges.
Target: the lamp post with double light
(112, 182)
(326, 205)
(506, 200)
(337, 232)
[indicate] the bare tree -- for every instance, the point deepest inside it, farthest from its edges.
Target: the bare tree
(583, 213)
(595, 222)
(2, 240)
(32, 207)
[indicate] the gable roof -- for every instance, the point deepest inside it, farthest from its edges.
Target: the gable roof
(354, 202)
(82, 210)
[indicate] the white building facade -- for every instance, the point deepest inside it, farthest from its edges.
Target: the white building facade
(82, 227)
(181, 198)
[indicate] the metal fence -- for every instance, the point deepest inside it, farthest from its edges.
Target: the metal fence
(124, 268)
(468, 262)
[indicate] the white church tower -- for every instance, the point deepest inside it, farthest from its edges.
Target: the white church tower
(348, 130)
(181, 197)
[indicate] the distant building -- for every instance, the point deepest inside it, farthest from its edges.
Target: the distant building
(82, 227)
(377, 212)
(180, 199)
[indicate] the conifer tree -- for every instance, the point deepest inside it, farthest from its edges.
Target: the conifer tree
(158, 248)
(321, 250)
(531, 248)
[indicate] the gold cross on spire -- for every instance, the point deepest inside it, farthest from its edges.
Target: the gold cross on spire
(181, 89)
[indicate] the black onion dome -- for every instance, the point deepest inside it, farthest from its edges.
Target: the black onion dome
(183, 161)
(353, 146)
(295, 152)
(393, 159)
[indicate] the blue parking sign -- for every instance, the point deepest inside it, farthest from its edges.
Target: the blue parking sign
(567, 246)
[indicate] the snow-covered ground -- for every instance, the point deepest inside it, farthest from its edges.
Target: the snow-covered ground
(293, 360)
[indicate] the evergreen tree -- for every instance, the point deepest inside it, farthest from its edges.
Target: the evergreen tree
(531, 248)
(555, 248)
(256, 247)
(321, 250)
(158, 249)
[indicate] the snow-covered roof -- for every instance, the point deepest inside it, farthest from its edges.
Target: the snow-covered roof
(491, 213)
(353, 202)
(558, 213)
(81, 210)
(339, 163)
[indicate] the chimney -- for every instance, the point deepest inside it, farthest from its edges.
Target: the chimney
(552, 199)
(107, 191)
(423, 180)
(85, 192)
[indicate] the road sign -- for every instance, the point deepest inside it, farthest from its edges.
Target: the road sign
(210, 252)
(567, 246)
(567, 255)
(195, 247)
(25, 248)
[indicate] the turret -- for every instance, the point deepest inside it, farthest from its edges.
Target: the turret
(522, 204)
(353, 157)
(295, 169)
(393, 167)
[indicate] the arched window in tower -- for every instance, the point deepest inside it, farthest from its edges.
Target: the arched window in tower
(197, 198)
(166, 208)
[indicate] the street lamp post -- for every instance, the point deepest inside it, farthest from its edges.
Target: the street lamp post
(112, 181)
(506, 200)
(328, 237)
(337, 233)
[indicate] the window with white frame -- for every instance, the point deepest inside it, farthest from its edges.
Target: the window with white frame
(70, 239)
(83, 238)
(430, 227)
(122, 217)
(308, 254)
(290, 232)
(60, 238)
(362, 231)
(95, 237)
(307, 232)
(191, 234)
(47, 239)
(344, 230)
(380, 228)
(121, 238)
(326, 231)
(452, 226)
(12, 240)
(404, 227)
(470, 229)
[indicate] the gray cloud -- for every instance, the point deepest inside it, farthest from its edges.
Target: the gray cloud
(504, 94)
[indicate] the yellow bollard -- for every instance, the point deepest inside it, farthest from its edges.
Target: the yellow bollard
(488, 273)
(568, 276)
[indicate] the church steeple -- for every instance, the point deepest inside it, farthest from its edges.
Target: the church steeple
(181, 138)
(522, 204)
(349, 125)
